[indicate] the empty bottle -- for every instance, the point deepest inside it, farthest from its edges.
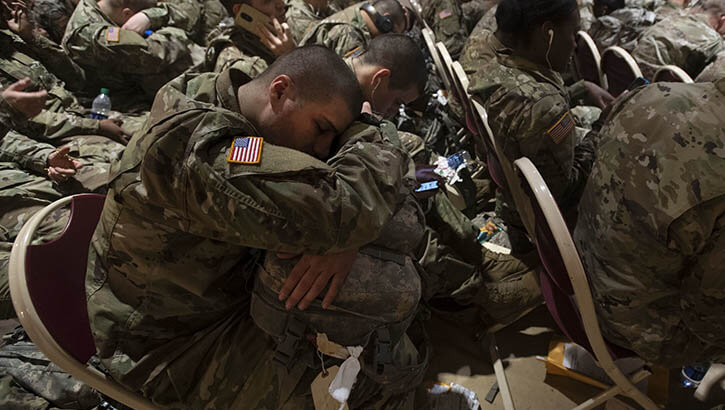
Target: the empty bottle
(101, 105)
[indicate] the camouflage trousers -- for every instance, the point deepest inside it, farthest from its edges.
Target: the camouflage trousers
(29, 381)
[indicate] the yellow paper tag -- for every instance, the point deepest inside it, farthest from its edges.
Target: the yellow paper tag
(112, 34)
(329, 348)
(320, 391)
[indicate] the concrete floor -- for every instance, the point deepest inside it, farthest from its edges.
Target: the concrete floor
(459, 358)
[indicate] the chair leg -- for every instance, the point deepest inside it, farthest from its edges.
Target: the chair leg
(503, 385)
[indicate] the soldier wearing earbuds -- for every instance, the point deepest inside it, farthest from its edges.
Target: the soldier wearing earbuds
(529, 106)
(350, 30)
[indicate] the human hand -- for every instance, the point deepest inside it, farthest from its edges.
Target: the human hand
(280, 42)
(29, 104)
(597, 96)
(426, 173)
(139, 23)
(111, 128)
(310, 276)
(62, 166)
(19, 22)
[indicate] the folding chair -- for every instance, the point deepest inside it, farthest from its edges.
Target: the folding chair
(619, 68)
(47, 286)
(447, 61)
(429, 39)
(566, 290)
(587, 60)
(671, 74)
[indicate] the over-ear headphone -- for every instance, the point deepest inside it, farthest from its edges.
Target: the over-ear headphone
(383, 23)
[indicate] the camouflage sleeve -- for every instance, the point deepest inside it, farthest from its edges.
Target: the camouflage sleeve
(50, 125)
(446, 18)
(232, 56)
(699, 234)
(341, 38)
(9, 117)
(29, 154)
(183, 14)
(315, 208)
(92, 45)
(53, 55)
(577, 91)
(545, 133)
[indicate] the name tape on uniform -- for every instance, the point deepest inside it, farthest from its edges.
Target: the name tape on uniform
(246, 150)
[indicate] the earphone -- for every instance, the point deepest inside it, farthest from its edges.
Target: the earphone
(383, 23)
(548, 50)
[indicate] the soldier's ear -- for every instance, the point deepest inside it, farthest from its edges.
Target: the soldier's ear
(280, 89)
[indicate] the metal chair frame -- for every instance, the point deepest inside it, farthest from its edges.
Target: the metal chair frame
(36, 328)
(584, 302)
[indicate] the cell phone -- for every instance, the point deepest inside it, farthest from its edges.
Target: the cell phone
(427, 186)
(249, 18)
(638, 82)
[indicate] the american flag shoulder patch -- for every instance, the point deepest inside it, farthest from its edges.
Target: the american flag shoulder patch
(112, 34)
(246, 150)
(562, 128)
(444, 14)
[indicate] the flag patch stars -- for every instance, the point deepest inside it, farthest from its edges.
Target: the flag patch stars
(246, 150)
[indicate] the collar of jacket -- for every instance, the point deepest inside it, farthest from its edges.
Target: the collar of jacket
(227, 85)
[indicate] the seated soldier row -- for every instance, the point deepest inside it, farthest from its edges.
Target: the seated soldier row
(260, 146)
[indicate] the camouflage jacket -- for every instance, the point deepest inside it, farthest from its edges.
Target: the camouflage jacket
(62, 116)
(343, 32)
(52, 55)
(529, 114)
(621, 28)
(714, 71)
(212, 15)
(233, 43)
(651, 223)
(487, 22)
(445, 17)
(301, 16)
(176, 241)
(686, 41)
(30, 155)
(481, 48)
(140, 65)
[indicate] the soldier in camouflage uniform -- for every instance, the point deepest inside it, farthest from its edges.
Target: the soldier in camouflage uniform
(233, 43)
(528, 105)
(179, 204)
(445, 18)
(474, 10)
(304, 14)
(481, 48)
(351, 29)
(619, 27)
(651, 219)
(95, 39)
(689, 40)
(714, 71)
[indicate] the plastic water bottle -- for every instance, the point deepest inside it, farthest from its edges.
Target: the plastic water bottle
(692, 375)
(101, 105)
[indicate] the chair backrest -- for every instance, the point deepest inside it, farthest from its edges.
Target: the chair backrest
(563, 282)
(447, 61)
(47, 286)
(429, 39)
(587, 59)
(672, 74)
(619, 68)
